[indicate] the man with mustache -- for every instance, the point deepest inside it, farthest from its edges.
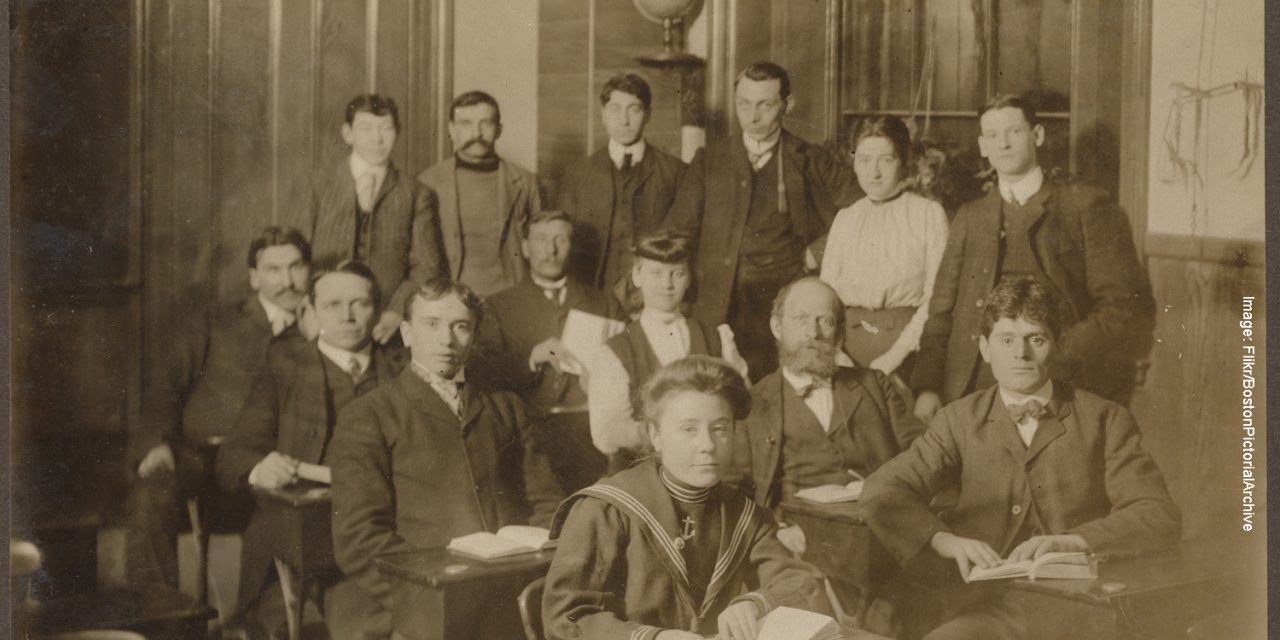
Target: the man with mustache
(759, 207)
(194, 399)
(288, 420)
(483, 200)
(361, 208)
(522, 348)
(433, 456)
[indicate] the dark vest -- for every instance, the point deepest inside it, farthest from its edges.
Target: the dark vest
(1016, 257)
(811, 456)
(769, 242)
(637, 356)
(341, 390)
(617, 249)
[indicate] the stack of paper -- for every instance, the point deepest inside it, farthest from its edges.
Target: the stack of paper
(786, 623)
(832, 493)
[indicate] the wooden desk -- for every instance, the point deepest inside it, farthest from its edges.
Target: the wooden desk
(839, 543)
(436, 600)
(301, 517)
(1150, 597)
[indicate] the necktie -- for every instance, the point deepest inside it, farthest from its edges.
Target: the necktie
(353, 368)
(552, 294)
(364, 191)
(281, 322)
(626, 162)
(808, 389)
(1031, 408)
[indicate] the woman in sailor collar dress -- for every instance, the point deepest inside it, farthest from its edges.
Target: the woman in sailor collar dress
(663, 550)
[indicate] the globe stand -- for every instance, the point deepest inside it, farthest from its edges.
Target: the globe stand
(672, 55)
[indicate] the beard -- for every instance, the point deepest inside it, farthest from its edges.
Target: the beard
(814, 357)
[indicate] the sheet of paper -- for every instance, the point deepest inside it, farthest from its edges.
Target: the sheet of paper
(583, 333)
(314, 472)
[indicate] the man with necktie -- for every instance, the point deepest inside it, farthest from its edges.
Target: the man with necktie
(619, 193)
(193, 401)
(361, 208)
(1040, 466)
(1072, 239)
(434, 455)
(522, 352)
(483, 199)
(759, 208)
(288, 421)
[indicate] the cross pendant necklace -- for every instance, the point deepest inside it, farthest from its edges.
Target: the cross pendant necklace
(686, 533)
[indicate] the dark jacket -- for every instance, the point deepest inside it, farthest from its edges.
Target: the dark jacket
(1083, 244)
(405, 244)
(714, 195)
(589, 195)
(759, 439)
(1085, 473)
(408, 474)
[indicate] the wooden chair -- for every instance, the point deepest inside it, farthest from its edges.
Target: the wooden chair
(530, 603)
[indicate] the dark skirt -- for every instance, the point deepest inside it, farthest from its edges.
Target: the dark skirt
(868, 333)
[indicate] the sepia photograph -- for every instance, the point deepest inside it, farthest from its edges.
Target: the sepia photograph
(637, 320)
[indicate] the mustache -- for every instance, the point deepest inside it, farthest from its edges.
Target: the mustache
(480, 141)
(811, 355)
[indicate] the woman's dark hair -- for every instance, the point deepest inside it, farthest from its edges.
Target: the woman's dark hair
(892, 129)
(666, 246)
(703, 374)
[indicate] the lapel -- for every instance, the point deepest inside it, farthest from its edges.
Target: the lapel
(388, 183)
(736, 518)
(768, 415)
(1053, 425)
(1001, 426)
(511, 190)
(845, 389)
(309, 392)
(986, 233)
(424, 399)
(445, 183)
(472, 406)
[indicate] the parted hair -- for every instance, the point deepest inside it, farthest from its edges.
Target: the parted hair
(353, 267)
(441, 286)
(275, 237)
(472, 98)
(892, 129)
(667, 246)
(1002, 100)
(700, 373)
(1023, 298)
(627, 83)
(765, 70)
(373, 103)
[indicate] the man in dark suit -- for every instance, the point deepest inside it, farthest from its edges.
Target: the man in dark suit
(522, 349)
(622, 191)
(482, 199)
(1040, 466)
(289, 416)
(759, 207)
(193, 401)
(817, 420)
(1072, 239)
(431, 457)
(361, 208)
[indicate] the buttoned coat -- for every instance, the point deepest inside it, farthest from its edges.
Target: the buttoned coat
(714, 196)
(389, 492)
(1083, 245)
(520, 198)
(589, 195)
(290, 410)
(1085, 472)
(404, 241)
(759, 440)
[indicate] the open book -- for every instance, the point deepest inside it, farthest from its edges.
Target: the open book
(786, 623)
(832, 493)
(1067, 565)
(511, 540)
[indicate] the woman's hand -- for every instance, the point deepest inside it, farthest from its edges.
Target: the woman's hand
(740, 621)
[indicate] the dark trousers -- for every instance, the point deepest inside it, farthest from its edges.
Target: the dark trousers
(575, 461)
(749, 311)
(933, 603)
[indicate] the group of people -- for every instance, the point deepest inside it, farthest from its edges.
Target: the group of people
(789, 319)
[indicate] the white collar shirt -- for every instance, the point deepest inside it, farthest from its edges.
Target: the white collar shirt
(820, 400)
(618, 152)
(1022, 190)
(1028, 425)
(668, 334)
(343, 358)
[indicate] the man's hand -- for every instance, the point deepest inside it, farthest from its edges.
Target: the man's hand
(387, 326)
(308, 326)
(810, 260)
(1037, 546)
(927, 404)
(274, 471)
(740, 621)
(965, 551)
(160, 457)
(548, 351)
(677, 634)
(792, 538)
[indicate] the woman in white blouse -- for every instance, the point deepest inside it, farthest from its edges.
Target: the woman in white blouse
(883, 251)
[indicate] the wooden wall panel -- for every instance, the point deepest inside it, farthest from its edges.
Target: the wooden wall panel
(297, 134)
(393, 64)
(343, 71)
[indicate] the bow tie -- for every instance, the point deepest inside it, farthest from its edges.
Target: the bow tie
(808, 389)
(1026, 409)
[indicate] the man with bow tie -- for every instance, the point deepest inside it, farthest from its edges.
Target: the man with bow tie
(1070, 238)
(819, 419)
(521, 348)
(288, 421)
(193, 401)
(759, 207)
(434, 455)
(619, 193)
(362, 208)
(1040, 466)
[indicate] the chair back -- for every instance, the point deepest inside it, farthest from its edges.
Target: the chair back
(530, 603)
